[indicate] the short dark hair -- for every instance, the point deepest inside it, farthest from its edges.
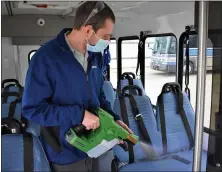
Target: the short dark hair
(96, 21)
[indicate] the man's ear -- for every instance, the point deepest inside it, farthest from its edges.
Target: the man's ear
(88, 31)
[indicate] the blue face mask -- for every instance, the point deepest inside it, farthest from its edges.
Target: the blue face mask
(100, 46)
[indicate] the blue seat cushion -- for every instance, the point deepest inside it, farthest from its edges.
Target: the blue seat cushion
(12, 89)
(137, 82)
(189, 156)
(13, 154)
(5, 110)
(142, 150)
(177, 138)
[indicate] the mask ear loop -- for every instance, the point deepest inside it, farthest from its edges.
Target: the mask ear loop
(87, 41)
(96, 35)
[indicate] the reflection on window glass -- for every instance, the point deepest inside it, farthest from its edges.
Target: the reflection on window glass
(129, 55)
(160, 64)
(172, 48)
(31, 54)
(193, 55)
(113, 63)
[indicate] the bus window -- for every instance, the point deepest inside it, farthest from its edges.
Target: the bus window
(129, 55)
(193, 56)
(173, 46)
(113, 63)
(193, 41)
(160, 61)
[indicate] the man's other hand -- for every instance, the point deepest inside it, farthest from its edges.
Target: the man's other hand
(121, 123)
(90, 121)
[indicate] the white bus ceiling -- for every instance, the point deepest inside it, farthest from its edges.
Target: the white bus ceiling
(132, 17)
(21, 32)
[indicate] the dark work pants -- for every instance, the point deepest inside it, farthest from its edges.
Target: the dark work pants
(87, 165)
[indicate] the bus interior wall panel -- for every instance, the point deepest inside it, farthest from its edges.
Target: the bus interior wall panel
(8, 61)
(24, 50)
(14, 26)
(30, 40)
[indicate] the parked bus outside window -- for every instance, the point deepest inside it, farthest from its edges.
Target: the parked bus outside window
(163, 60)
(154, 79)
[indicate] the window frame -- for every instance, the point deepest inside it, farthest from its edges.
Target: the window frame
(108, 66)
(119, 52)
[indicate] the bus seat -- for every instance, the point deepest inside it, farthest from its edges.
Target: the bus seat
(15, 87)
(6, 110)
(147, 156)
(13, 153)
(145, 107)
(125, 82)
(175, 119)
(8, 97)
(109, 92)
(188, 155)
(16, 112)
(176, 135)
(129, 78)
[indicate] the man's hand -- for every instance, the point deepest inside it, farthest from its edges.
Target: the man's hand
(90, 121)
(121, 123)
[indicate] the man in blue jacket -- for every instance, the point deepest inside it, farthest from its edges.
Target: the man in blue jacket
(64, 81)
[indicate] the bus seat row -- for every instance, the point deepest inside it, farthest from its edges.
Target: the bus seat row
(172, 154)
(175, 153)
(18, 149)
(22, 150)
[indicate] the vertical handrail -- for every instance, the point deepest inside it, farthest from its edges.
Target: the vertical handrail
(187, 72)
(180, 61)
(201, 80)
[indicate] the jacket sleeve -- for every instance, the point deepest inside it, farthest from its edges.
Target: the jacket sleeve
(38, 90)
(105, 104)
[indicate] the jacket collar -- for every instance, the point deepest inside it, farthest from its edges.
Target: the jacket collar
(65, 47)
(61, 39)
